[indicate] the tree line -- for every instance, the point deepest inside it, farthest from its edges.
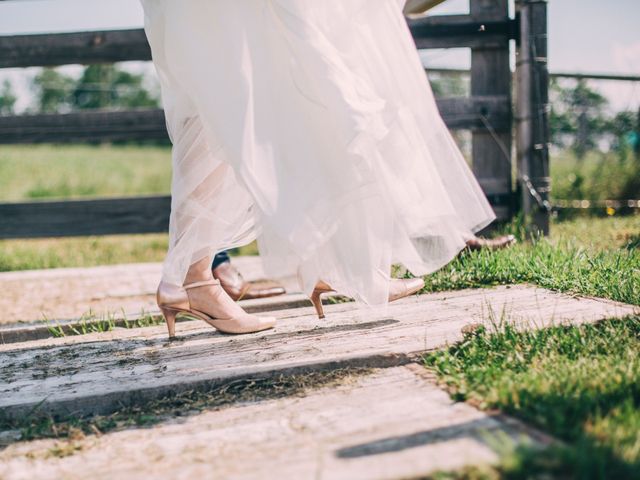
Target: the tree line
(98, 86)
(580, 119)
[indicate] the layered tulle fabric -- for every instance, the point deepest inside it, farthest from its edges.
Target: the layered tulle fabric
(309, 125)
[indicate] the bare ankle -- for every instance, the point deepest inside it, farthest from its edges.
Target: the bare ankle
(199, 271)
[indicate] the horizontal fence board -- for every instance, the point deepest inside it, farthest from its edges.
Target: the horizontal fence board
(461, 31)
(70, 218)
(149, 124)
(461, 41)
(47, 50)
(575, 75)
(84, 126)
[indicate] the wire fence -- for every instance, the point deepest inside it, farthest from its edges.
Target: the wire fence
(585, 118)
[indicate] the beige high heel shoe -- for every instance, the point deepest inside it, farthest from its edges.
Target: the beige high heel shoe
(230, 318)
(398, 288)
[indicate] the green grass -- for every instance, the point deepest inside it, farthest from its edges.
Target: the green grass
(88, 251)
(598, 257)
(598, 176)
(81, 251)
(598, 234)
(580, 384)
(63, 171)
(66, 171)
(55, 171)
(91, 323)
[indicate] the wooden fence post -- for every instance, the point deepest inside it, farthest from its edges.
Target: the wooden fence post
(491, 75)
(533, 114)
(636, 146)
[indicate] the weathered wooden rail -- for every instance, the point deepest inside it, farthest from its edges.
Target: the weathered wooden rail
(102, 216)
(37, 50)
(487, 30)
(149, 124)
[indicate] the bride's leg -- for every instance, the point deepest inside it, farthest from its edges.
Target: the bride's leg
(208, 208)
(203, 297)
(199, 271)
(210, 299)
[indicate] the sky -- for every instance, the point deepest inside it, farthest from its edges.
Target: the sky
(584, 35)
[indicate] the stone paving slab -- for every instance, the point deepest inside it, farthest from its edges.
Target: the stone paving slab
(21, 332)
(388, 424)
(69, 293)
(98, 373)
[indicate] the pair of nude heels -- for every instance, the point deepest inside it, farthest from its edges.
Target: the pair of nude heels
(174, 301)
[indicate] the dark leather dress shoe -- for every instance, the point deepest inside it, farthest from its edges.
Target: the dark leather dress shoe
(479, 243)
(239, 289)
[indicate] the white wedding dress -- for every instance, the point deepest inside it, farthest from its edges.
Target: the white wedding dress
(309, 125)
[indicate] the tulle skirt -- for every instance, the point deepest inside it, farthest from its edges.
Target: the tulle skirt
(311, 126)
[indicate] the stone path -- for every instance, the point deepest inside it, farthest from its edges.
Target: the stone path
(97, 373)
(69, 293)
(388, 424)
(384, 420)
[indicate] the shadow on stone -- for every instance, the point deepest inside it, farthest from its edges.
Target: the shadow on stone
(474, 429)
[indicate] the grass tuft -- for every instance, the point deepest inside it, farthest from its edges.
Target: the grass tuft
(574, 260)
(65, 171)
(580, 384)
(91, 323)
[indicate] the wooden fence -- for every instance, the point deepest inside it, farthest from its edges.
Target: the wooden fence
(487, 30)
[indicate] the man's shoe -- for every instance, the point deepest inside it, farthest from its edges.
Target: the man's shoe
(239, 289)
(478, 243)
